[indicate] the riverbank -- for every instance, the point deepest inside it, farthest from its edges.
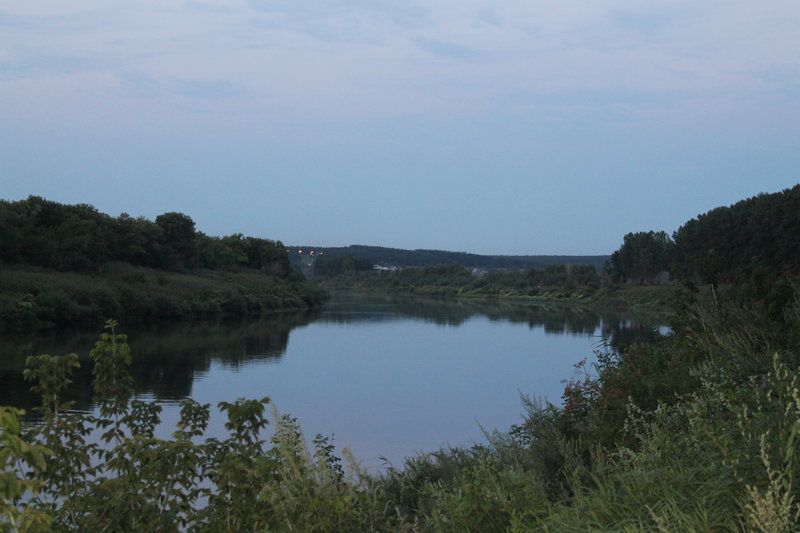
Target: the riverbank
(656, 298)
(34, 298)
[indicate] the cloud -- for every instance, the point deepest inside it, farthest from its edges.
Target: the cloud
(25, 61)
(11, 21)
(212, 89)
(447, 50)
(208, 7)
(346, 21)
(141, 86)
(361, 59)
(649, 22)
(782, 83)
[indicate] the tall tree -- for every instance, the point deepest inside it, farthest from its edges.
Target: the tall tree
(642, 257)
(759, 233)
(177, 239)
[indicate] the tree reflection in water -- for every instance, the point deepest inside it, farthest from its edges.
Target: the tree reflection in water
(168, 358)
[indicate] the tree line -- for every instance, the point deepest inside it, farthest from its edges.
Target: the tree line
(80, 238)
(380, 255)
(727, 244)
(553, 281)
(757, 236)
(68, 264)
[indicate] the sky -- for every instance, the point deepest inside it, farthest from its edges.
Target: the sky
(491, 127)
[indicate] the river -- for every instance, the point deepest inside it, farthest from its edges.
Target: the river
(387, 377)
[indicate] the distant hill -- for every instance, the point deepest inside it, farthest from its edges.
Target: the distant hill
(403, 258)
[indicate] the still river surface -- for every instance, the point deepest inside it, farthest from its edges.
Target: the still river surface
(387, 377)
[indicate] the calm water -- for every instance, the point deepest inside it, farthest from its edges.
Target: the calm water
(385, 377)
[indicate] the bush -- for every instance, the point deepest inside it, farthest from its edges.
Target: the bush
(133, 481)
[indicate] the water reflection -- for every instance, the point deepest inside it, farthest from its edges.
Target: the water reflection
(616, 326)
(169, 358)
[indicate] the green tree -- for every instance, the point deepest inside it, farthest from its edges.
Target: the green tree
(642, 257)
(730, 243)
(135, 240)
(327, 266)
(11, 233)
(178, 240)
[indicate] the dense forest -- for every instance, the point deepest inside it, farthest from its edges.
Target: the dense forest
(63, 264)
(731, 243)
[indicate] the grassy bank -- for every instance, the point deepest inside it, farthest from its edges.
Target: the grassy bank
(694, 432)
(32, 298)
(505, 286)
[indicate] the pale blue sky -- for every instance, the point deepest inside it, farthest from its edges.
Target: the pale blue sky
(515, 127)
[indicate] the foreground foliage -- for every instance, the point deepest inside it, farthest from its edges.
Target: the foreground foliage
(695, 432)
(109, 472)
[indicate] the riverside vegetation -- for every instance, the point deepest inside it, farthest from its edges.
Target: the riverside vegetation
(69, 264)
(694, 431)
(697, 431)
